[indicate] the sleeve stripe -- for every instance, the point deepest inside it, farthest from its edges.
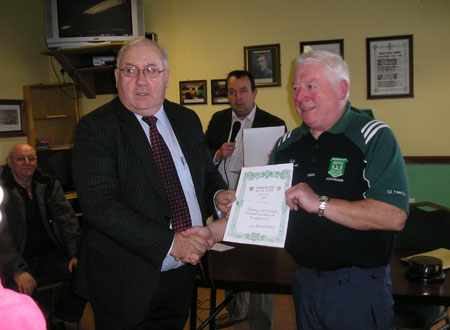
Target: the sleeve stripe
(371, 128)
(284, 138)
(374, 131)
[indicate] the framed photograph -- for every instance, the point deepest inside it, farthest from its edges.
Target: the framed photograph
(193, 92)
(219, 94)
(390, 67)
(12, 119)
(333, 46)
(264, 63)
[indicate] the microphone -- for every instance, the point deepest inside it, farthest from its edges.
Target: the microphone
(235, 130)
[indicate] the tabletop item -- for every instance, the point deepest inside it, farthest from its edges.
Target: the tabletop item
(425, 269)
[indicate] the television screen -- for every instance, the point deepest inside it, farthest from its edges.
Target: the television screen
(93, 18)
(81, 23)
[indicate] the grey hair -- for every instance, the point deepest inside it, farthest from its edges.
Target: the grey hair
(141, 42)
(336, 68)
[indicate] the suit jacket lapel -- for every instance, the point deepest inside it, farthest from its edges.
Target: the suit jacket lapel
(256, 120)
(179, 130)
(227, 123)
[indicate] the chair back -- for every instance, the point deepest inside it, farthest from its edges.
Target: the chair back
(425, 230)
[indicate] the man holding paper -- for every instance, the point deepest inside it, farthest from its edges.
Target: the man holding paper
(349, 194)
(224, 138)
(224, 133)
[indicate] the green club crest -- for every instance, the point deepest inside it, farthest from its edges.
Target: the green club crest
(337, 166)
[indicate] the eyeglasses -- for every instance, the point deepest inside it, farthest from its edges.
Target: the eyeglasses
(22, 159)
(149, 72)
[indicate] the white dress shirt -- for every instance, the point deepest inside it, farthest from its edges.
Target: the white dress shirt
(230, 167)
(166, 131)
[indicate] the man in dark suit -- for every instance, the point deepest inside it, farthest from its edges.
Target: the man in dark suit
(228, 155)
(131, 263)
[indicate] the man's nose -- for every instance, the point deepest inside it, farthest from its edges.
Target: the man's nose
(141, 79)
(300, 95)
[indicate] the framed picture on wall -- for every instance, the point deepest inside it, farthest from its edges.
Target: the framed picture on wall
(193, 92)
(219, 94)
(12, 119)
(390, 67)
(333, 46)
(264, 63)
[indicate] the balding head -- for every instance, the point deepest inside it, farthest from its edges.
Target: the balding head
(22, 161)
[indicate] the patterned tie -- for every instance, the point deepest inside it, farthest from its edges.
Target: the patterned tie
(181, 218)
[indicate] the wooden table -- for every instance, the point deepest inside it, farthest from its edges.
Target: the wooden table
(270, 270)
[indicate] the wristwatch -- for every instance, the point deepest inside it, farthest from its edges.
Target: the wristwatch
(322, 204)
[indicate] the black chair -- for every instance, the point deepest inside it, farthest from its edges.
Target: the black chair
(55, 289)
(424, 230)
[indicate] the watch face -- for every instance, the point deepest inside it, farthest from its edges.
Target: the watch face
(322, 204)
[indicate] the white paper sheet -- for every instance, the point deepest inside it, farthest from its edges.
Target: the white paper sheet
(260, 215)
(259, 143)
(221, 247)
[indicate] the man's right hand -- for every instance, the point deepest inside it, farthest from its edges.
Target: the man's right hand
(190, 248)
(25, 283)
(225, 150)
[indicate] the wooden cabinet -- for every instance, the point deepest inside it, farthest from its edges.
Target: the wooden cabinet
(78, 63)
(52, 111)
(72, 197)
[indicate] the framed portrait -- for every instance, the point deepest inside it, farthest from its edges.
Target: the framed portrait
(193, 92)
(219, 94)
(390, 67)
(333, 46)
(12, 119)
(264, 63)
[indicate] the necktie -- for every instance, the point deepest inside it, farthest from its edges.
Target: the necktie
(181, 218)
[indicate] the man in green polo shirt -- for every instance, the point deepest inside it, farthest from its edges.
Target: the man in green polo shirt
(349, 195)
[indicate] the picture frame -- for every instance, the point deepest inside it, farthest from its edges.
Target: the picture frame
(390, 67)
(335, 46)
(264, 63)
(12, 118)
(193, 92)
(219, 93)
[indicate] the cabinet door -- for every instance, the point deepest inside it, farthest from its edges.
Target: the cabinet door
(52, 112)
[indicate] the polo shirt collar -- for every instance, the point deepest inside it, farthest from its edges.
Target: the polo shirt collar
(340, 125)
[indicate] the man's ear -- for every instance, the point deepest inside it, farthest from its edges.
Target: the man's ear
(167, 77)
(116, 75)
(342, 89)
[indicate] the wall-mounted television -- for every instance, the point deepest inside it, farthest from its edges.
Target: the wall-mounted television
(79, 23)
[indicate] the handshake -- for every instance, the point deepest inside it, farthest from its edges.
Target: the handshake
(190, 245)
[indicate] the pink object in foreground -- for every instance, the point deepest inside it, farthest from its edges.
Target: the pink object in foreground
(19, 312)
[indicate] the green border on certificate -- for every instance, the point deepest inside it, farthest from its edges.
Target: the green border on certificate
(260, 215)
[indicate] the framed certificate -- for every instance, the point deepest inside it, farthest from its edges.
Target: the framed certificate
(390, 67)
(333, 46)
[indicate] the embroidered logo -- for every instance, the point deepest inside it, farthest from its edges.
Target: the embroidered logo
(337, 166)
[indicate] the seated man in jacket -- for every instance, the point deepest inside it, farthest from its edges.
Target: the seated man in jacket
(40, 233)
